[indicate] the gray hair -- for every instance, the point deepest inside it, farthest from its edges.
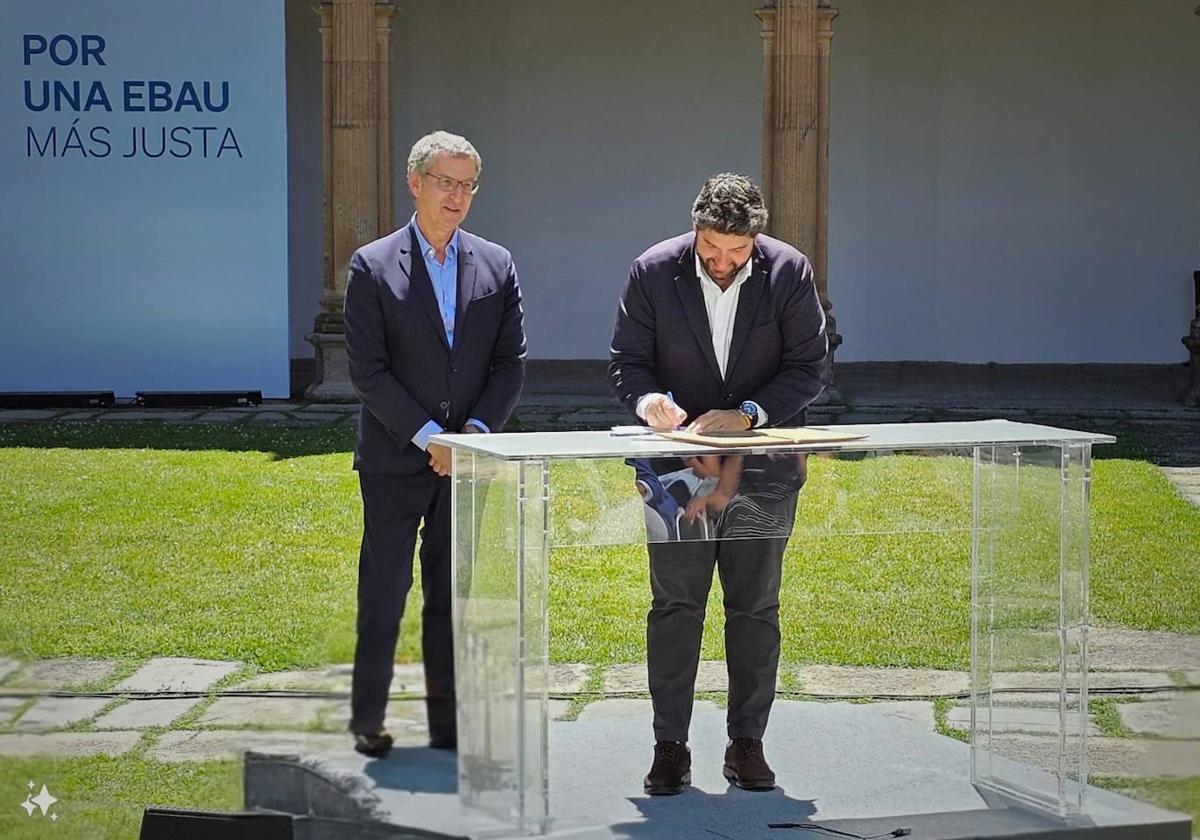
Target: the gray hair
(441, 143)
(730, 204)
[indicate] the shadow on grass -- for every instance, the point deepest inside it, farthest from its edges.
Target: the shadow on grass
(1130, 445)
(280, 441)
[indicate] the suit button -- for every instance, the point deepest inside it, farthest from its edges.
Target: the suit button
(444, 406)
(729, 396)
(454, 370)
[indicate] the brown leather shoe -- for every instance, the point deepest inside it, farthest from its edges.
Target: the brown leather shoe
(671, 771)
(746, 767)
(373, 746)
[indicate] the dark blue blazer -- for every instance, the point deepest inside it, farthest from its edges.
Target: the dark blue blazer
(662, 340)
(402, 367)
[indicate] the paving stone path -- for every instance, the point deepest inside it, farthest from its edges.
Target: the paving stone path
(1186, 481)
(269, 413)
(176, 709)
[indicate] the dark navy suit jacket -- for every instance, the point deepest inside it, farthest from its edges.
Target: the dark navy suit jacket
(663, 342)
(401, 365)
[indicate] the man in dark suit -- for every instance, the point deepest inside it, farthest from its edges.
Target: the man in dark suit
(435, 339)
(721, 329)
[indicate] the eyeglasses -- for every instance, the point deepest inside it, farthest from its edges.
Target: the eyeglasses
(452, 184)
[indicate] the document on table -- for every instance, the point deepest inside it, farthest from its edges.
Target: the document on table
(761, 437)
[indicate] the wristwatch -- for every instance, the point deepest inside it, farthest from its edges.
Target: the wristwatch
(749, 412)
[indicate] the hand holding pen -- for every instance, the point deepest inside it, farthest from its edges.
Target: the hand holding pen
(663, 413)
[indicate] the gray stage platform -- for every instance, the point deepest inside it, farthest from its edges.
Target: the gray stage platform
(844, 766)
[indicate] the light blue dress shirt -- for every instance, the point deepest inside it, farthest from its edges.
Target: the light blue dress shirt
(444, 277)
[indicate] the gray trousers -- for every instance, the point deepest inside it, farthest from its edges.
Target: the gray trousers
(750, 569)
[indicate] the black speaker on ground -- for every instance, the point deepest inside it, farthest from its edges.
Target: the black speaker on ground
(57, 399)
(178, 824)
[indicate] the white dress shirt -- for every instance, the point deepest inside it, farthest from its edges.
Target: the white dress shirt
(721, 306)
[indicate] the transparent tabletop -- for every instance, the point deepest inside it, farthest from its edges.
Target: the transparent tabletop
(518, 446)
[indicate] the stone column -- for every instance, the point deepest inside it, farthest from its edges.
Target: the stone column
(357, 158)
(796, 37)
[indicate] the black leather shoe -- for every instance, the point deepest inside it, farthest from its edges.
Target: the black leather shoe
(746, 767)
(671, 771)
(373, 746)
(443, 741)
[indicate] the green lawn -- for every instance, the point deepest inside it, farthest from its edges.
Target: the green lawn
(1181, 795)
(131, 541)
(224, 543)
(102, 798)
(241, 543)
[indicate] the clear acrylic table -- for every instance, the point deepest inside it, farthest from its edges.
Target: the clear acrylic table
(1010, 500)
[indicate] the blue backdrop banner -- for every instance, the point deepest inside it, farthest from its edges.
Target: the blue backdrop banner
(143, 230)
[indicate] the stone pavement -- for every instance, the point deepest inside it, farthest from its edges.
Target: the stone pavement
(269, 413)
(174, 709)
(565, 394)
(1186, 481)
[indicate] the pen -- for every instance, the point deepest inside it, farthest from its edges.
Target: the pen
(671, 397)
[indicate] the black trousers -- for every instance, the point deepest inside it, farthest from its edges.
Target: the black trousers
(393, 508)
(750, 568)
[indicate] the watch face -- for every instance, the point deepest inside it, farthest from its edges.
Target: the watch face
(749, 408)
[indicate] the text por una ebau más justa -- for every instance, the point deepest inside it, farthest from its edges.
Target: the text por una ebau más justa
(131, 96)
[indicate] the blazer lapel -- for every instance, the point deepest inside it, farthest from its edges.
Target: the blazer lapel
(466, 287)
(687, 286)
(748, 300)
(412, 262)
